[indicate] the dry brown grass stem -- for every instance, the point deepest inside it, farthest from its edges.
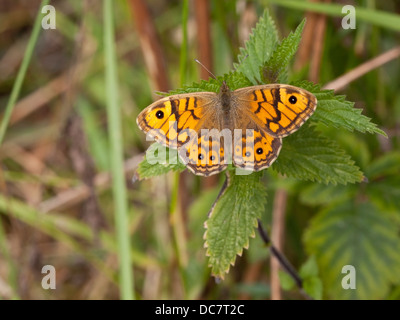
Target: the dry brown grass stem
(277, 238)
(71, 197)
(153, 53)
(344, 80)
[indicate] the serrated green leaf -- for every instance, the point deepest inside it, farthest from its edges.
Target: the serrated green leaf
(254, 290)
(313, 287)
(336, 111)
(232, 221)
(234, 80)
(275, 70)
(159, 160)
(385, 194)
(317, 194)
(212, 85)
(355, 145)
(357, 235)
(198, 212)
(259, 48)
(196, 271)
(394, 294)
(306, 155)
(312, 284)
(309, 268)
(286, 281)
(387, 164)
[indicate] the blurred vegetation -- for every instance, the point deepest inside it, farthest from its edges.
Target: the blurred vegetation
(56, 196)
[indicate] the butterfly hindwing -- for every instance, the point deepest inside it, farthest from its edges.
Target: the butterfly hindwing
(256, 150)
(204, 155)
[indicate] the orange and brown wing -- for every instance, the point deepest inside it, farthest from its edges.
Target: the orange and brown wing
(171, 120)
(256, 150)
(204, 155)
(278, 109)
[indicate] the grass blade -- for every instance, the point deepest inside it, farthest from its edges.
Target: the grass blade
(378, 18)
(116, 155)
(21, 73)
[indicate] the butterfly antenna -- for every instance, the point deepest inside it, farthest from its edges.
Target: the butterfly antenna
(212, 74)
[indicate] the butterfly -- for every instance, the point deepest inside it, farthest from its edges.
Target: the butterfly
(244, 127)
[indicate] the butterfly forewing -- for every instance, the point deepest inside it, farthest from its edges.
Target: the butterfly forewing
(171, 119)
(278, 109)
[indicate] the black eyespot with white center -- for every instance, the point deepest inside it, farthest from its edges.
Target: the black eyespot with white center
(247, 154)
(212, 158)
(260, 151)
(201, 157)
(159, 114)
(292, 99)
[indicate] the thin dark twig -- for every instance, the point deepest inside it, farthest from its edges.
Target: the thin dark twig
(286, 265)
(221, 192)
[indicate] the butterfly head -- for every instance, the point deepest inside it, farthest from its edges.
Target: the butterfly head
(224, 88)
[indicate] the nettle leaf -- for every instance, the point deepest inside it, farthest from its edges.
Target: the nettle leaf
(312, 284)
(306, 155)
(258, 49)
(384, 187)
(316, 194)
(336, 111)
(313, 287)
(309, 268)
(386, 165)
(286, 281)
(232, 220)
(159, 160)
(361, 236)
(212, 85)
(234, 80)
(385, 194)
(275, 70)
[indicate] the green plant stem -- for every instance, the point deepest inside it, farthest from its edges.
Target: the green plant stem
(379, 18)
(179, 241)
(175, 213)
(116, 156)
(6, 119)
(21, 73)
(50, 225)
(12, 277)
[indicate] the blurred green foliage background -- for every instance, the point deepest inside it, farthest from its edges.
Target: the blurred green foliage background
(56, 196)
